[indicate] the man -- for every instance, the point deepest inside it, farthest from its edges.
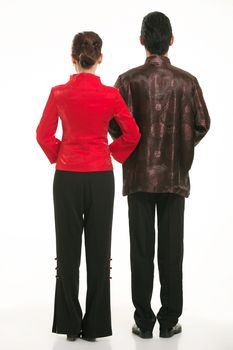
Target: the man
(171, 113)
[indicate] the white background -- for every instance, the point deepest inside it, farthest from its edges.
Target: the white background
(35, 43)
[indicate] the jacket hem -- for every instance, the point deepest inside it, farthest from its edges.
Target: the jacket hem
(178, 192)
(84, 169)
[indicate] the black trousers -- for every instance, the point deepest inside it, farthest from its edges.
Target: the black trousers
(83, 201)
(170, 217)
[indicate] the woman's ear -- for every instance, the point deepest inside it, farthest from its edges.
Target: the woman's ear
(100, 59)
(74, 61)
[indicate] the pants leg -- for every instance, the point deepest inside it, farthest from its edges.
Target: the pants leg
(99, 197)
(170, 209)
(68, 206)
(142, 242)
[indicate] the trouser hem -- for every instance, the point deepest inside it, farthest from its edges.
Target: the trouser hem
(93, 335)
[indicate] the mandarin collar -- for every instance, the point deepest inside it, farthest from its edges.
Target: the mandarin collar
(84, 76)
(158, 60)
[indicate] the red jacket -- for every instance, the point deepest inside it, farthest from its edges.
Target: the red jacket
(86, 107)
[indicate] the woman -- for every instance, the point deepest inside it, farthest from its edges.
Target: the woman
(84, 186)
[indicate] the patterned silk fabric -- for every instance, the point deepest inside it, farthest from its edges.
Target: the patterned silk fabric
(172, 116)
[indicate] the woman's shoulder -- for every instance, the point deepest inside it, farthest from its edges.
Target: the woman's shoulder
(110, 89)
(60, 89)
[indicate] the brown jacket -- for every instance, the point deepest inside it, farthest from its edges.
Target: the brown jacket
(172, 116)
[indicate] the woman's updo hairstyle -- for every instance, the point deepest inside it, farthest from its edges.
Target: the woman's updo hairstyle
(86, 48)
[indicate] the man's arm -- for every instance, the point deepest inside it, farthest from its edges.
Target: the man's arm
(201, 115)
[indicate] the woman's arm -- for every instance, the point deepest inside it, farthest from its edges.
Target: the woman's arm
(45, 132)
(123, 146)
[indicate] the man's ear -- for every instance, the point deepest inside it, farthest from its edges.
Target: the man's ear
(172, 40)
(141, 40)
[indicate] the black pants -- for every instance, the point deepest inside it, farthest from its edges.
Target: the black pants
(170, 215)
(83, 201)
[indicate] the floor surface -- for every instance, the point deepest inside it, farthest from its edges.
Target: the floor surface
(29, 329)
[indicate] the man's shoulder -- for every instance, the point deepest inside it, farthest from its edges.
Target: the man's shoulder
(145, 70)
(133, 72)
(181, 73)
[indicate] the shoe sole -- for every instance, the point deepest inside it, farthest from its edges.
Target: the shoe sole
(71, 339)
(91, 340)
(169, 335)
(143, 336)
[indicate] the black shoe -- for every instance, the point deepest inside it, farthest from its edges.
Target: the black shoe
(89, 339)
(142, 333)
(169, 332)
(72, 337)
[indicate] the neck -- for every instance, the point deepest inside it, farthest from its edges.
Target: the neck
(148, 54)
(80, 69)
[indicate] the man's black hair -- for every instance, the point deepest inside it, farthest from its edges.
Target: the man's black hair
(156, 32)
